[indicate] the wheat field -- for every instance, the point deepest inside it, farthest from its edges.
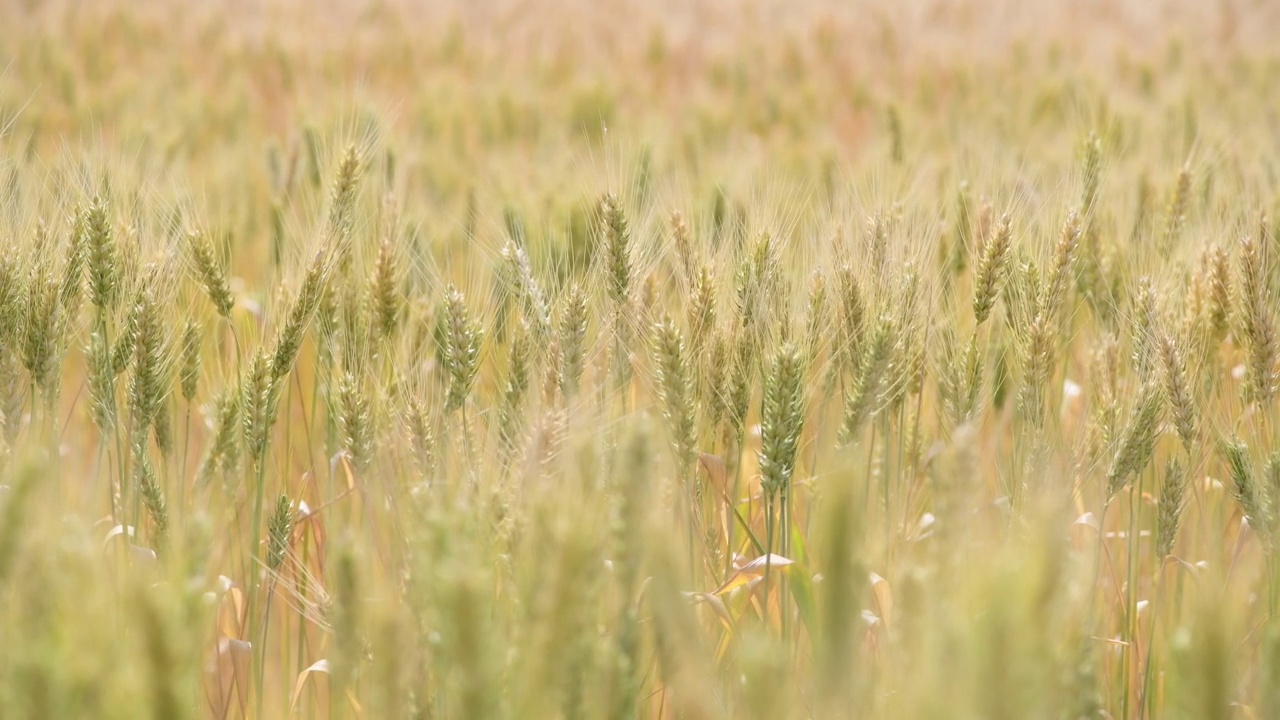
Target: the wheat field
(567, 359)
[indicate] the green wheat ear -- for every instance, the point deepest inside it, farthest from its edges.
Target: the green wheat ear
(675, 388)
(462, 349)
(1137, 442)
(385, 288)
(279, 530)
(863, 397)
(533, 304)
(1257, 322)
(210, 273)
(992, 270)
(782, 414)
(101, 244)
(342, 195)
(1170, 507)
(1245, 485)
(1178, 391)
(682, 239)
(153, 499)
(572, 340)
(516, 389)
(354, 419)
(255, 399)
(303, 309)
(617, 251)
(191, 359)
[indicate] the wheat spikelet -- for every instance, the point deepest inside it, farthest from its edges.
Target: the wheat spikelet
(342, 195)
(715, 375)
(991, 271)
(1137, 441)
(1245, 485)
(279, 530)
(741, 381)
(1257, 324)
(1060, 272)
(852, 313)
(388, 300)
(354, 419)
(462, 349)
(1144, 326)
(1037, 369)
(960, 379)
(864, 397)
(148, 387)
(817, 321)
(1170, 507)
(102, 376)
(962, 235)
(101, 244)
(255, 399)
(418, 424)
(71, 288)
(41, 325)
(210, 273)
(1177, 390)
(675, 388)
(683, 241)
(301, 312)
(533, 303)
(1091, 163)
(191, 359)
(153, 498)
(1217, 264)
(782, 413)
(516, 388)
(1175, 213)
(572, 341)
(617, 252)
(11, 292)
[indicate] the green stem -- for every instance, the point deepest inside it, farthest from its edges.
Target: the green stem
(1143, 698)
(253, 573)
(262, 665)
(1131, 594)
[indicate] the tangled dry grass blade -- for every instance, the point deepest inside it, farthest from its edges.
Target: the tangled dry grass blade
(639, 360)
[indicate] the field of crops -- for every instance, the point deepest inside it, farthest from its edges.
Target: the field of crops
(624, 359)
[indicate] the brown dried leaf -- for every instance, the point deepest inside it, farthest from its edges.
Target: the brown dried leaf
(226, 676)
(884, 599)
(319, 666)
(716, 472)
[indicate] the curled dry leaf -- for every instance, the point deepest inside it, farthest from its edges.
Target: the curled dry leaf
(884, 599)
(341, 460)
(115, 532)
(145, 556)
(715, 603)
(736, 581)
(924, 528)
(772, 561)
(226, 677)
(714, 466)
(319, 666)
(231, 611)
(1084, 530)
